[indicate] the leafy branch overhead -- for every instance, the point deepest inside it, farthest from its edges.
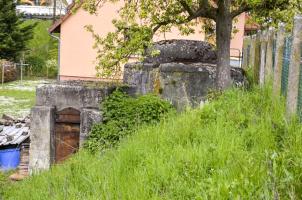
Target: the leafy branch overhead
(140, 20)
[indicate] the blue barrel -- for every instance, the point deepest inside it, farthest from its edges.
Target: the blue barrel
(9, 158)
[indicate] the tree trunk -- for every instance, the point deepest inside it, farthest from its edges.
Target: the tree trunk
(223, 40)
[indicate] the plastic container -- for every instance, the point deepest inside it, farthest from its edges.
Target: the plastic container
(9, 159)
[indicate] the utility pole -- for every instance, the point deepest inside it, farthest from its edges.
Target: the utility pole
(2, 64)
(54, 10)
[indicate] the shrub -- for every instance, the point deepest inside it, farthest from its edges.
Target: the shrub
(123, 115)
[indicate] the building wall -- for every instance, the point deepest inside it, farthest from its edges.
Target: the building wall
(77, 57)
(237, 40)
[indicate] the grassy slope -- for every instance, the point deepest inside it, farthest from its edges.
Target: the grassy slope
(238, 147)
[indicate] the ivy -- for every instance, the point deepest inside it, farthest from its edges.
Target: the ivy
(122, 115)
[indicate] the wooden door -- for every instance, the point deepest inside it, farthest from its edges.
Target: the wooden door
(67, 134)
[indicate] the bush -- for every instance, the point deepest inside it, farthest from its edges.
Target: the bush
(123, 115)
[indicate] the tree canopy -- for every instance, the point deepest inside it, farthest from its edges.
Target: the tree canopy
(13, 33)
(141, 19)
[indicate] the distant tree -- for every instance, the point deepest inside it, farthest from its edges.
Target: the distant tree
(13, 33)
(141, 19)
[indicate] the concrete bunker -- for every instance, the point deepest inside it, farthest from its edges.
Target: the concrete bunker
(64, 113)
(62, 118)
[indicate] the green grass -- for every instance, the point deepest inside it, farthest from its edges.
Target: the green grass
(237, 147)
(15, 102)
(16, 99)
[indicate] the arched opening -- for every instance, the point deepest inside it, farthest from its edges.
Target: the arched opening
(67, 133)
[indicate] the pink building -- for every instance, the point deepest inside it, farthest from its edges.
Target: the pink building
(77, 56)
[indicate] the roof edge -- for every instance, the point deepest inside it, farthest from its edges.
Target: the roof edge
(56, 26)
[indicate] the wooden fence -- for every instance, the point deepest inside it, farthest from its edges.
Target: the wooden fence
(276, 55)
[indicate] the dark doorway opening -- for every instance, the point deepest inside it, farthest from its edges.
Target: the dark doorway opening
(67, 133)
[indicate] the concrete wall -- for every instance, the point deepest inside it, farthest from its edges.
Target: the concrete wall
(184, 85)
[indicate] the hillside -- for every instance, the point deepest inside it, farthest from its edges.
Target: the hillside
(239, 146)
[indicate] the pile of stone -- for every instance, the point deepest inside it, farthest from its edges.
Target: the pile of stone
(13, 131)
(17, 122)
(10, 71)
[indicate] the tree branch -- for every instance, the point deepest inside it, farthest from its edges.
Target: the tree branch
(241, 9)
(186, 7)
(205, 11)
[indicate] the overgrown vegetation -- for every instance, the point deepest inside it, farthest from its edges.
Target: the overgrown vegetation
(239, 146)
(123, 115)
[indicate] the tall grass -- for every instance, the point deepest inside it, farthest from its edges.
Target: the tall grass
(237, 147)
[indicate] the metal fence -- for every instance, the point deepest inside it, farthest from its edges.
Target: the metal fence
(285, 65)
(299, 106)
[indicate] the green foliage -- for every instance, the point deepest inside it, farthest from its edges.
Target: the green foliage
(272, 17)
(123, 115)
(132, 38)
(13, 33)
(42, 51)
(237, 147)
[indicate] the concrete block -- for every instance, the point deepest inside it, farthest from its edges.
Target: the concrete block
(263, 48)
(89, 117)
(294, 68)
(42, 138)
(269, 55)
(279, 59)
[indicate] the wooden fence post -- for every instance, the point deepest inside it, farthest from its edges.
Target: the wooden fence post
(294, 68)
(269, 55)
(279, 59)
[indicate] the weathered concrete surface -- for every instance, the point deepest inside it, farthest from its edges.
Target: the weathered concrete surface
(70, 94)
(88, 118)
(42, 138)
(246, 51)
(263, 47)
(279, 59)
(257, 57)
(294, 68)
(76, 94)
(187, 51)
(269, 55)
(181, 84)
